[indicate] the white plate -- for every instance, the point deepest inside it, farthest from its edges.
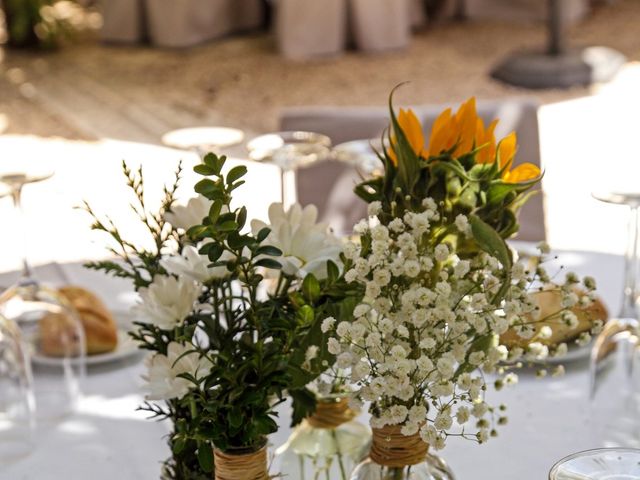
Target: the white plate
(575, 353)
(126, 348)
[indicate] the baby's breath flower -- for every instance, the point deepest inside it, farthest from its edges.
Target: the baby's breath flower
(374, 208)
(327, 324)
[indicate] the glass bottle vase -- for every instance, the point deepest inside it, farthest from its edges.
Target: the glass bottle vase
(325, 446)
(394, 456)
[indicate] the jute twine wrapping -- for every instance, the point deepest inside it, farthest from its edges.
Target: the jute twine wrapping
(391, 448)
(331, 414)
(250, 466)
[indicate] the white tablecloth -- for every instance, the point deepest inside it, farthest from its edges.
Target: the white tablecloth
(109, 439)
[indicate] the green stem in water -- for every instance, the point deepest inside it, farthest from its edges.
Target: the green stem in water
(343, 473)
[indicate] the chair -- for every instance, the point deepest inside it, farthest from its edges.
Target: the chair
(310, 28)
(329, 184)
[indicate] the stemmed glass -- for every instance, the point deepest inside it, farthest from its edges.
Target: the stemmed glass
(16, 395)
(201, 140)
(361, 154)
(290, 151)
(49, 327)
(599, 464)
(615, 357)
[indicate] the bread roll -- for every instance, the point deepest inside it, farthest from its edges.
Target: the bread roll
(550, 303)
(59, 336)
(100, 328)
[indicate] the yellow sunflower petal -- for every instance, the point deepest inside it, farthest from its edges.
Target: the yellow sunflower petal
(440, 132)
(412, 129)
(488, 139)
(507, 149)
(466, 118)
(522, 173)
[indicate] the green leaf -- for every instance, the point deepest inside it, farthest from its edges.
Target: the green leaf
(262, 234)
(306, 316)
(311, 288)
(179, 442)
(197, 231)
(303, 403)
(242, 217)
(206, 186)
(268, 263)
(228, 226)
(491, 242)
(333, 272)
(205, 456)
(265, 425)
(214, 211)
(203, 169)
(408, 161)
(235, 417)
(269, 250)
(236, 173)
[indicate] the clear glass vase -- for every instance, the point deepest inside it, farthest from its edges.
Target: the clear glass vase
(394, 456)
(326, 446)
(433, 468)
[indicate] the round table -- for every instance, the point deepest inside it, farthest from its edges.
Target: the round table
(108, 438)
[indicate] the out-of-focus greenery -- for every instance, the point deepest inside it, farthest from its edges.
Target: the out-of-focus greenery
(40, 23)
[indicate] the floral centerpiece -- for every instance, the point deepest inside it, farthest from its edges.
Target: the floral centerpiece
(231, 316)
(438, 287)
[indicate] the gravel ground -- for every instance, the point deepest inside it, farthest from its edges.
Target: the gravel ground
(242, 81)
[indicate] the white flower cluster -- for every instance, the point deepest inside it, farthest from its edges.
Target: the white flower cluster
(170, 299)
(163, 380)
(428, 320)
(305, 244)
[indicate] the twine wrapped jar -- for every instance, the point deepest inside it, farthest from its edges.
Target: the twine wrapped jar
(241, 464)
(328, 444)
(394, 456)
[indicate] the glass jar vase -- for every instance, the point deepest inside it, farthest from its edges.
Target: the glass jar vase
(327, 445)
(394, 456)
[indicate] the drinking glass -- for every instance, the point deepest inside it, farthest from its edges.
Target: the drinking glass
(629, 307)
(16, 395)
(615, 384)
(599, 464)
(203, 139)
(290, 151)
(51, 330)
(362, 155)
(615, 359)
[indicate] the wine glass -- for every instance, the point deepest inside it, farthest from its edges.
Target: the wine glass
(16, 395)
(362, 155)
(290, 151)
(629, 307)
(51, 330)
(203, 139)
(599, 464)
(615, 384)
(615, 360)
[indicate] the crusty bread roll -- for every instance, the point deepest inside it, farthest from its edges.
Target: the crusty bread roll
(100, 328)
(550, 302)
(59, 336)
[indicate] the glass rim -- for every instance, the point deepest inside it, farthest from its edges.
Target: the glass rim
(291, 135)
(589, 452)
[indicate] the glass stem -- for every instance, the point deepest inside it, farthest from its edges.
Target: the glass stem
(289, 194)
(16, 195)
(631, 267)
